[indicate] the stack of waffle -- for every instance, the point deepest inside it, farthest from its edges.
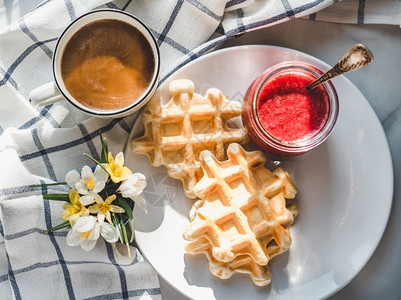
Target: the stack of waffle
(243, 216)
(242, 219)
(177, 132)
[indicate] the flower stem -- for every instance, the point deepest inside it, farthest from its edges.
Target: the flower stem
(125, 238)
(57, 197)
(105, 150)
(94, 160)
(60, 226)
(47, 184)
(116, 224)
(132, 228)
(116, 251)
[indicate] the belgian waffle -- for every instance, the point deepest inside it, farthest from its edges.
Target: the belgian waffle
(242, 212)
(177, 132)
(260, 275)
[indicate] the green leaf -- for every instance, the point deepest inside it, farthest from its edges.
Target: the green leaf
(125, 237)
(58, 227)
(123, 203)
(132, 228)
(58, 197)
(105, 150)
(124, 232)
(117, 225)
(115, 250)
(128, 210)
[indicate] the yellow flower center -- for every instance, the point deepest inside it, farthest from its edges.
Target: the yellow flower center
(117, 170)
(86, 234)
(104, 207)
(89, 183)
(76, 208)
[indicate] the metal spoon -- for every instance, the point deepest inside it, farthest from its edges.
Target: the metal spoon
(356, 57)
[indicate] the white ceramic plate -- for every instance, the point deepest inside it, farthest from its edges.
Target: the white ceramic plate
(345, 193)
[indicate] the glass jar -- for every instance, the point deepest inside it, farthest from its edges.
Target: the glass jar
(282, 117)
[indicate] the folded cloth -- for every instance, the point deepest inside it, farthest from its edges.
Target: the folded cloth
(40, 145)
(361, 12)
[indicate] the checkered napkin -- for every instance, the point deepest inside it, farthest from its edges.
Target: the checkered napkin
(40, 145)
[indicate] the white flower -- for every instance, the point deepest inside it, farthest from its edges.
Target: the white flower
(132, 187)
(88, 183)
(87, 230)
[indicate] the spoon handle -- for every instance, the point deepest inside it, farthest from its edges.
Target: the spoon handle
(358, 56)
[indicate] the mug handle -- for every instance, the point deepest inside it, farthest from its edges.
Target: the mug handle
(45, 94)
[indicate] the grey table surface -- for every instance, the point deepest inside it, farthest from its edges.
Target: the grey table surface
(380, 84)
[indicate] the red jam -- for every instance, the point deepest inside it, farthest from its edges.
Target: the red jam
(282, 117)
(288, 111)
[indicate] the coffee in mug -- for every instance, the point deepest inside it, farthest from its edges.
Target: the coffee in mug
(107, 64)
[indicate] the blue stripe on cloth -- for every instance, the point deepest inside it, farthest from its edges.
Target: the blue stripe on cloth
(89, 141)
(14, 190)
(66, 272)
(70, 144)
(14, 84)
(70, 8)
(17, 235)
(3, 277)
(171, 42)
(133, 293)
(22, 233)
(57, 262)
(43, 154)
(288, 9)
(12, 280)
(240, 23)
(126, 4)
(19, 190)
(234, 2)
(205, 9)
(307, 6)
(125, 126)
(9, 147)
(1, 228)
(111, 5)
(220, 29)
(361, 12)
(40, 5)
(121, 273)
(44, 113)
(276, 18)
(231, 34)
(25, 30)
(18, 61)
(170, 22)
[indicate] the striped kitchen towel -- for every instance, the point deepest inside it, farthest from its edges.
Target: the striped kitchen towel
(361, 12)
(40, 145)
